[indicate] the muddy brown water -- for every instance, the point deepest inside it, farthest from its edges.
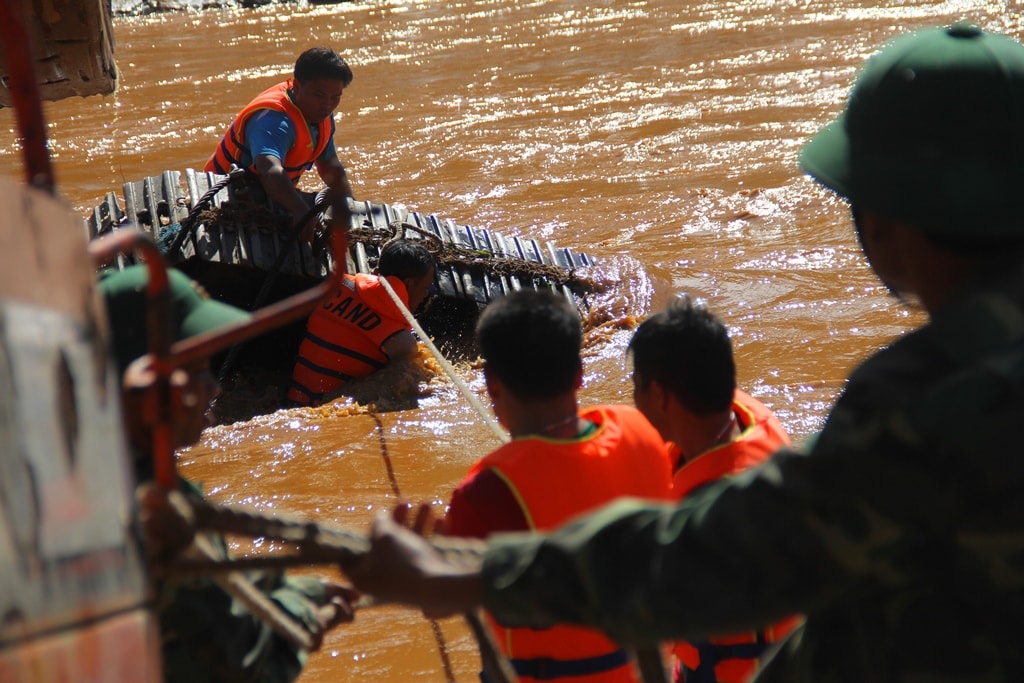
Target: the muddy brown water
(660, 136)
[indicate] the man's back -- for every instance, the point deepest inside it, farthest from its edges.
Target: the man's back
(538, 483)
(344, 337)
(547, 481)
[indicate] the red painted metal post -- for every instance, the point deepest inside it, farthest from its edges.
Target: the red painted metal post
(23, 83)
(167, 356)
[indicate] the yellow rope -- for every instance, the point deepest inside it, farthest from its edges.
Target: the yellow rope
(446, 366)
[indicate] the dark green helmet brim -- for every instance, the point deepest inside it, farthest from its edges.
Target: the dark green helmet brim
(933, 134)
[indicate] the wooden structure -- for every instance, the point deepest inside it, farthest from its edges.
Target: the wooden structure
(73, 589)
(73, 49)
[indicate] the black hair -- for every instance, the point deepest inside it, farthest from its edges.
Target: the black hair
(321, 62)
(531, 341)
(687, 350)
(405, 259)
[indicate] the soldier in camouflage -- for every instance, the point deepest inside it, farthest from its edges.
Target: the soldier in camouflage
(900, 535)
(206, 635)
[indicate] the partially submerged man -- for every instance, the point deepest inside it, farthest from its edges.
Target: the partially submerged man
(360, 328)
(684, 382)
(289, 128)
(899, 535)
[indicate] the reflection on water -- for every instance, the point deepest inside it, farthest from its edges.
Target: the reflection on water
(658, 135)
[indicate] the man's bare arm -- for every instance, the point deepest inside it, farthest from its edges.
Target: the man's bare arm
(279, 186)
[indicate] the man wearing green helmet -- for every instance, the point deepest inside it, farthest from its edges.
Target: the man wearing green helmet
(900, 536)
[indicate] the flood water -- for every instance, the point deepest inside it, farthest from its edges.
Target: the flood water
(659, 136)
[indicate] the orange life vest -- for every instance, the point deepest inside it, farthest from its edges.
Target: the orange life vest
(345, 335)
(302, 154)
(555, 480)
(732, 659)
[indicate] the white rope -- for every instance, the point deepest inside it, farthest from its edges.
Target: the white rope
(446, 366)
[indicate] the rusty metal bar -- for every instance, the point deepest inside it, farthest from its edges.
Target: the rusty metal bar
(15, 35)
(167, 357)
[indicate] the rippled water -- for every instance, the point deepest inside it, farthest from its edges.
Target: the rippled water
(660, 136)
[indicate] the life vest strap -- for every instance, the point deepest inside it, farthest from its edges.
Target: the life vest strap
(711, 654)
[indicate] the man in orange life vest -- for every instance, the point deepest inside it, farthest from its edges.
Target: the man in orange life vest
(684, 382)
(359, 328)
(289, 128)
(561, 462)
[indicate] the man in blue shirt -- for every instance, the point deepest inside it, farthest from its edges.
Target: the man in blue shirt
(288, 129)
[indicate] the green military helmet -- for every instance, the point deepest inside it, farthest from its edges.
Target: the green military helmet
(933, 135)
(192, 311)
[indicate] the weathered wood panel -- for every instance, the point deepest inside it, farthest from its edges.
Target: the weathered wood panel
(73, 580)
(73, 45)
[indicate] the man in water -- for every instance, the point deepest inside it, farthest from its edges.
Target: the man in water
(899, 535)
(359, 328)
(684, 382)
(289, 128)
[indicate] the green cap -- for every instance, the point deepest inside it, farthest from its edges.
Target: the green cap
(933, 134)
(193, 312)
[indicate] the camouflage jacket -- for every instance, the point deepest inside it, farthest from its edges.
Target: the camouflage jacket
(207, 636)
(900, 536)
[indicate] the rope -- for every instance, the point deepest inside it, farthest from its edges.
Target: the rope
(446, 366)
(479, 260)
(183, 516)
(286, 246)
(188, 226)
(495, 664)
(262, 607)
(435, 628)
(317, 544)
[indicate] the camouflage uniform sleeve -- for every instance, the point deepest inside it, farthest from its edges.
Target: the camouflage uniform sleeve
(209, 636)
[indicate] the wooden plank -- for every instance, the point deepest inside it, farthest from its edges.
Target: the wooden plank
(196, 186)
(223, 195)
(496, 246)
(559, 258)
(490, 284)
(132, 203)
(242, 245)
(177, 203)
(362, 259)
(73, 46)
(104, 217)
(445, 278)
(151, 193)
(258, 248)
(228, 244)
(73, 569)
(452, 237)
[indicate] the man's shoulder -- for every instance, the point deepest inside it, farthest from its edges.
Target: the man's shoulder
(269, 120)
(624, 423)
(483, 503)
(616, 412)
